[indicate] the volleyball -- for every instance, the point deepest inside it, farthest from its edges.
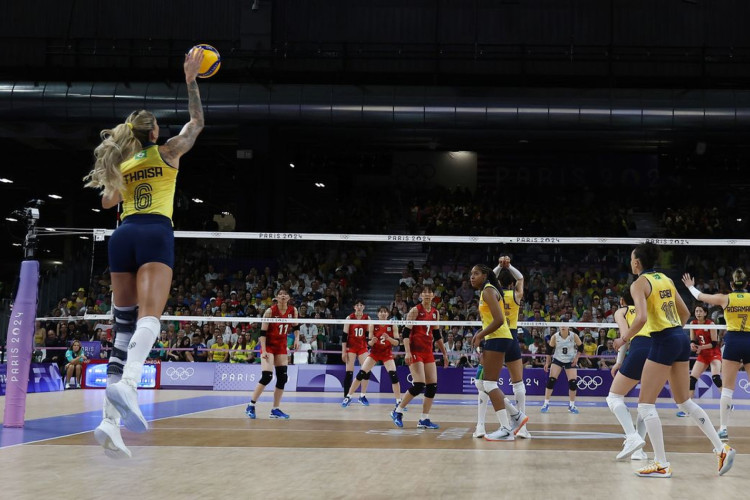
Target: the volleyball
(211, 60)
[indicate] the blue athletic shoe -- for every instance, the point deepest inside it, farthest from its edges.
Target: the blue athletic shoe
(681, 414)
(544, 408)
(277, 413)
(427, 424)
(573, 410)
(396, 417)
(363, 401)
(250, 411)
(346, 402)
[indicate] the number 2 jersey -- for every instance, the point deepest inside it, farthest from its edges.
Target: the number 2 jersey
(277, 332)
(383, 349)
(356, 340)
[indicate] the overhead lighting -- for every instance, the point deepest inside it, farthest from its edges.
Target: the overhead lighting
(739, 220)
(11, 219)
(225, 213)
(320, 185)
(57, 262)
(84, 237)
(16, 244)
(55, 196)
(95, 210)
(291, 165)
(197, 200)
(6, 181)
(50, 229)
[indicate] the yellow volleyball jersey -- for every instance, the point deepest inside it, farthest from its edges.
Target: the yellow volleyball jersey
(149, 184)
(629, 317)
(484, 312)
(737, 311)
(661, 303)
(511, 308)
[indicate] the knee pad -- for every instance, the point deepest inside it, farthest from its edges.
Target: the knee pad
(394, 377)
(519, 388)
(647, 411)
(281, 377)
(265, 378)
(551, 382)
(717, 380)
(362, 376)
(614, 400)
(479, 384)
(416, 389)
(430, 390)
(488, 386)
(125, 320)
(693, 381)
(688, 406)
(573, 385)
(366, 376)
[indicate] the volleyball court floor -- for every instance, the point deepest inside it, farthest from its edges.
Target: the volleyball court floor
(201, 444)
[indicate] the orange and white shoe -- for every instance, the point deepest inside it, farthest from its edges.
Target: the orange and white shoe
(655, 469)
(726, 459)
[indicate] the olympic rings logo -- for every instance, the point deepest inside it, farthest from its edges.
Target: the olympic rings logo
(590, 383)
(744, 385)
(179, 373)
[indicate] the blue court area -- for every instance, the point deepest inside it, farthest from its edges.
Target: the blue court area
(76, 423)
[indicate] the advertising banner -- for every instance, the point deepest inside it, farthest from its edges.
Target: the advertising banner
(95, 375)
(187, 375)
(43, 377)
(91, 349)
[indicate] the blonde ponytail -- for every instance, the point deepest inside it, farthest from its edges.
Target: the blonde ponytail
(118, 144)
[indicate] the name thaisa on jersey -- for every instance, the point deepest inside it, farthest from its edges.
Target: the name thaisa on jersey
(146, 173)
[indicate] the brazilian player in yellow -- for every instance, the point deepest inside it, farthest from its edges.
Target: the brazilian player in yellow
(131, 168)
(498, 342)
(661, 310)
(736, 341)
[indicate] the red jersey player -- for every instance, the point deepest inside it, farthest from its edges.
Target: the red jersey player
(383, 338)
(705, 343)
(273, 342)
(418, 344)
(354, 348)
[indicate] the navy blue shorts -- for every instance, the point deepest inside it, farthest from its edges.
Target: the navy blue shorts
(638, 351)
(508, 346)
(140, 239)
(564, 365)
(668, 346)
(737, 347)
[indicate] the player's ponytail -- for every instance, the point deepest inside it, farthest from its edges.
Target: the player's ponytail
(118, 144)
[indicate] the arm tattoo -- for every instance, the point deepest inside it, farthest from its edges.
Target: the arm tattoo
(194, 103)
(182, 143)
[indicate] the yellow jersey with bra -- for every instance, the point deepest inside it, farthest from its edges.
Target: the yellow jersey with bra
(629, 317)
(149, 184)
(486, 314)
(511, 309)
(737, 311)
(661, 303)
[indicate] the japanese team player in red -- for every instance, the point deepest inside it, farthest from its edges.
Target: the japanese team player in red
(354, 348)
(419, 355)
(383, 338)
(273, 342)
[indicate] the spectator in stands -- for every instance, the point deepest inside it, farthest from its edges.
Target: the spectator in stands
(199, 352)
(241, 351)
(105, 350)
(75, 359)
(589, 349)
(608, 355)
(219, 350)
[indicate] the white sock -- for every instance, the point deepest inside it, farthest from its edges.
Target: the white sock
(424, 416)
(483, 400)
(146, 332)
(700, 417)
(399, 409)
(512, 410)
(653, 425)
(616, 404)
(502, 417)
(572, 403)
(640, 427)
(519, 392)
(546, 402)
(363, 394)
(398, 401)
(725, 407)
